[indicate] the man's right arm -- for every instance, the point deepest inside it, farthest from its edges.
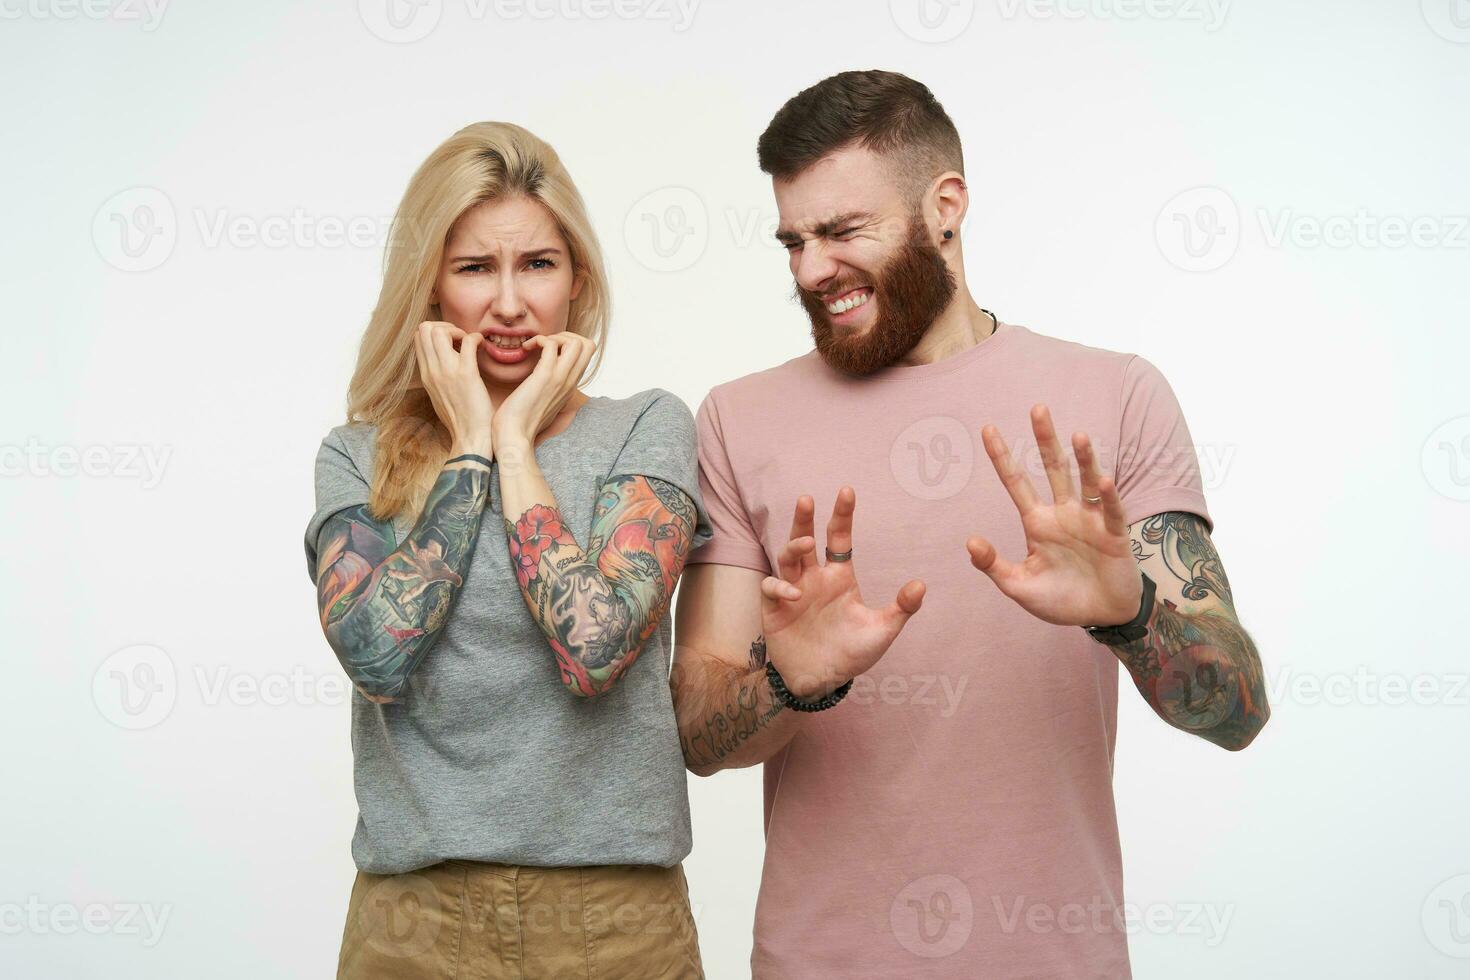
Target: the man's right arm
(728, 716)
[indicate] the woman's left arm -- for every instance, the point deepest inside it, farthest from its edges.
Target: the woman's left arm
(596, 606)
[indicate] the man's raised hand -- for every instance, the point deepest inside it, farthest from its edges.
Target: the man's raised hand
(818, 631)
(1079, 568)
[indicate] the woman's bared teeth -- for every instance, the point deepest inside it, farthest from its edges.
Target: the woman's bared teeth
(848, 303)
(504, 342)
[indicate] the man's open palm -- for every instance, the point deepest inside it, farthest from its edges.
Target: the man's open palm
(818, 631)
(1079, 568)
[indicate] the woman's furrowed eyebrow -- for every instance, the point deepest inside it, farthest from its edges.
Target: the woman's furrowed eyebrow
(534, 253)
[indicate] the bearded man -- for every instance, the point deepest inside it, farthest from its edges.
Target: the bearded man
(938, 781)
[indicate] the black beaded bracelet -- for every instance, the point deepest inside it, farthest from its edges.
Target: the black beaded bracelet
(469, 456)
(785, 697)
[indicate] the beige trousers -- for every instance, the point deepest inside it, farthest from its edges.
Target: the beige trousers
(471, 920)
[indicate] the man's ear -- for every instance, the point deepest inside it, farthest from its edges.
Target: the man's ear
(951, 201)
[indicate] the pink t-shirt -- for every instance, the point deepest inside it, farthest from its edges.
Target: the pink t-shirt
(953, 816)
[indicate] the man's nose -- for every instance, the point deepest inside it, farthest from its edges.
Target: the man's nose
(815, 267)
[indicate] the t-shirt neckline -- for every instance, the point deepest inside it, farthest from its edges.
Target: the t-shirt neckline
(913, 372)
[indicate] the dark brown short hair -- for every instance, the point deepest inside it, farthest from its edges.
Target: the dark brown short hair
(890, 114)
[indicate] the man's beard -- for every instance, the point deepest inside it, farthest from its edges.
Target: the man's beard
(912, 289)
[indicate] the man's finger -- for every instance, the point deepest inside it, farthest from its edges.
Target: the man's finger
(984, 557)
(803, 525)
(839, 526)
(1014, 480)
(772, 600)
(904, 605)
(779, 590)
(789, 560)
(1058, 468)
(1113, 514)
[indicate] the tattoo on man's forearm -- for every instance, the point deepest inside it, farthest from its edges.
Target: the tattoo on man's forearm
(710, 735)
(1199, 672)
(1187, 550)
(758, 653)
(384, 607)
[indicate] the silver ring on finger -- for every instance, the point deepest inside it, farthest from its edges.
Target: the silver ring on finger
(838, 555)
(1092, 500)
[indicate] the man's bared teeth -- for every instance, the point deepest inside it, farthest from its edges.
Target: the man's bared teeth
(843, 305)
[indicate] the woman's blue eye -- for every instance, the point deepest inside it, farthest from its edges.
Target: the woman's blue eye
(473, 265)
(549, 264)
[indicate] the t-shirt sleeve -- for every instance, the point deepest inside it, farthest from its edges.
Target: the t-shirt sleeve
(339, 485)
(1157, 468)
(735, 541)
(661, 444)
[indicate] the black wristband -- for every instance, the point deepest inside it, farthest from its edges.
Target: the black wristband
(1136, 628)
(469, 456)
(785, 697)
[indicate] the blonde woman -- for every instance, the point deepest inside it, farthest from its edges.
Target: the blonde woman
(494, 553)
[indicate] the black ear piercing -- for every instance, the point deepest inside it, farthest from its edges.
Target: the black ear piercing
(948, 234)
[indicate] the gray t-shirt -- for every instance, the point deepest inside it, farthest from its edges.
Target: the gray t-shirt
(488, 757)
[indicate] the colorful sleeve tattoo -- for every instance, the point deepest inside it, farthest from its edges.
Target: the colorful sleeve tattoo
(1197, 668)
(382, 608)
(597, 607)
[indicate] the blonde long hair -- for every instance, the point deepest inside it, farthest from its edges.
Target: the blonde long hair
(484, 161)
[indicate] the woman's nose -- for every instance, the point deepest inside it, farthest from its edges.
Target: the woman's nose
(507, 305)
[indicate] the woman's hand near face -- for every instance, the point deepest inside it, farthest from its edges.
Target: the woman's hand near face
(456, 389)
(540, 398)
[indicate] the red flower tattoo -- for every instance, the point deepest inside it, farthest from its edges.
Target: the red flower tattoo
(537, 529)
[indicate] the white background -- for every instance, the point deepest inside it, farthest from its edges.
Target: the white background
(1225, 189)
